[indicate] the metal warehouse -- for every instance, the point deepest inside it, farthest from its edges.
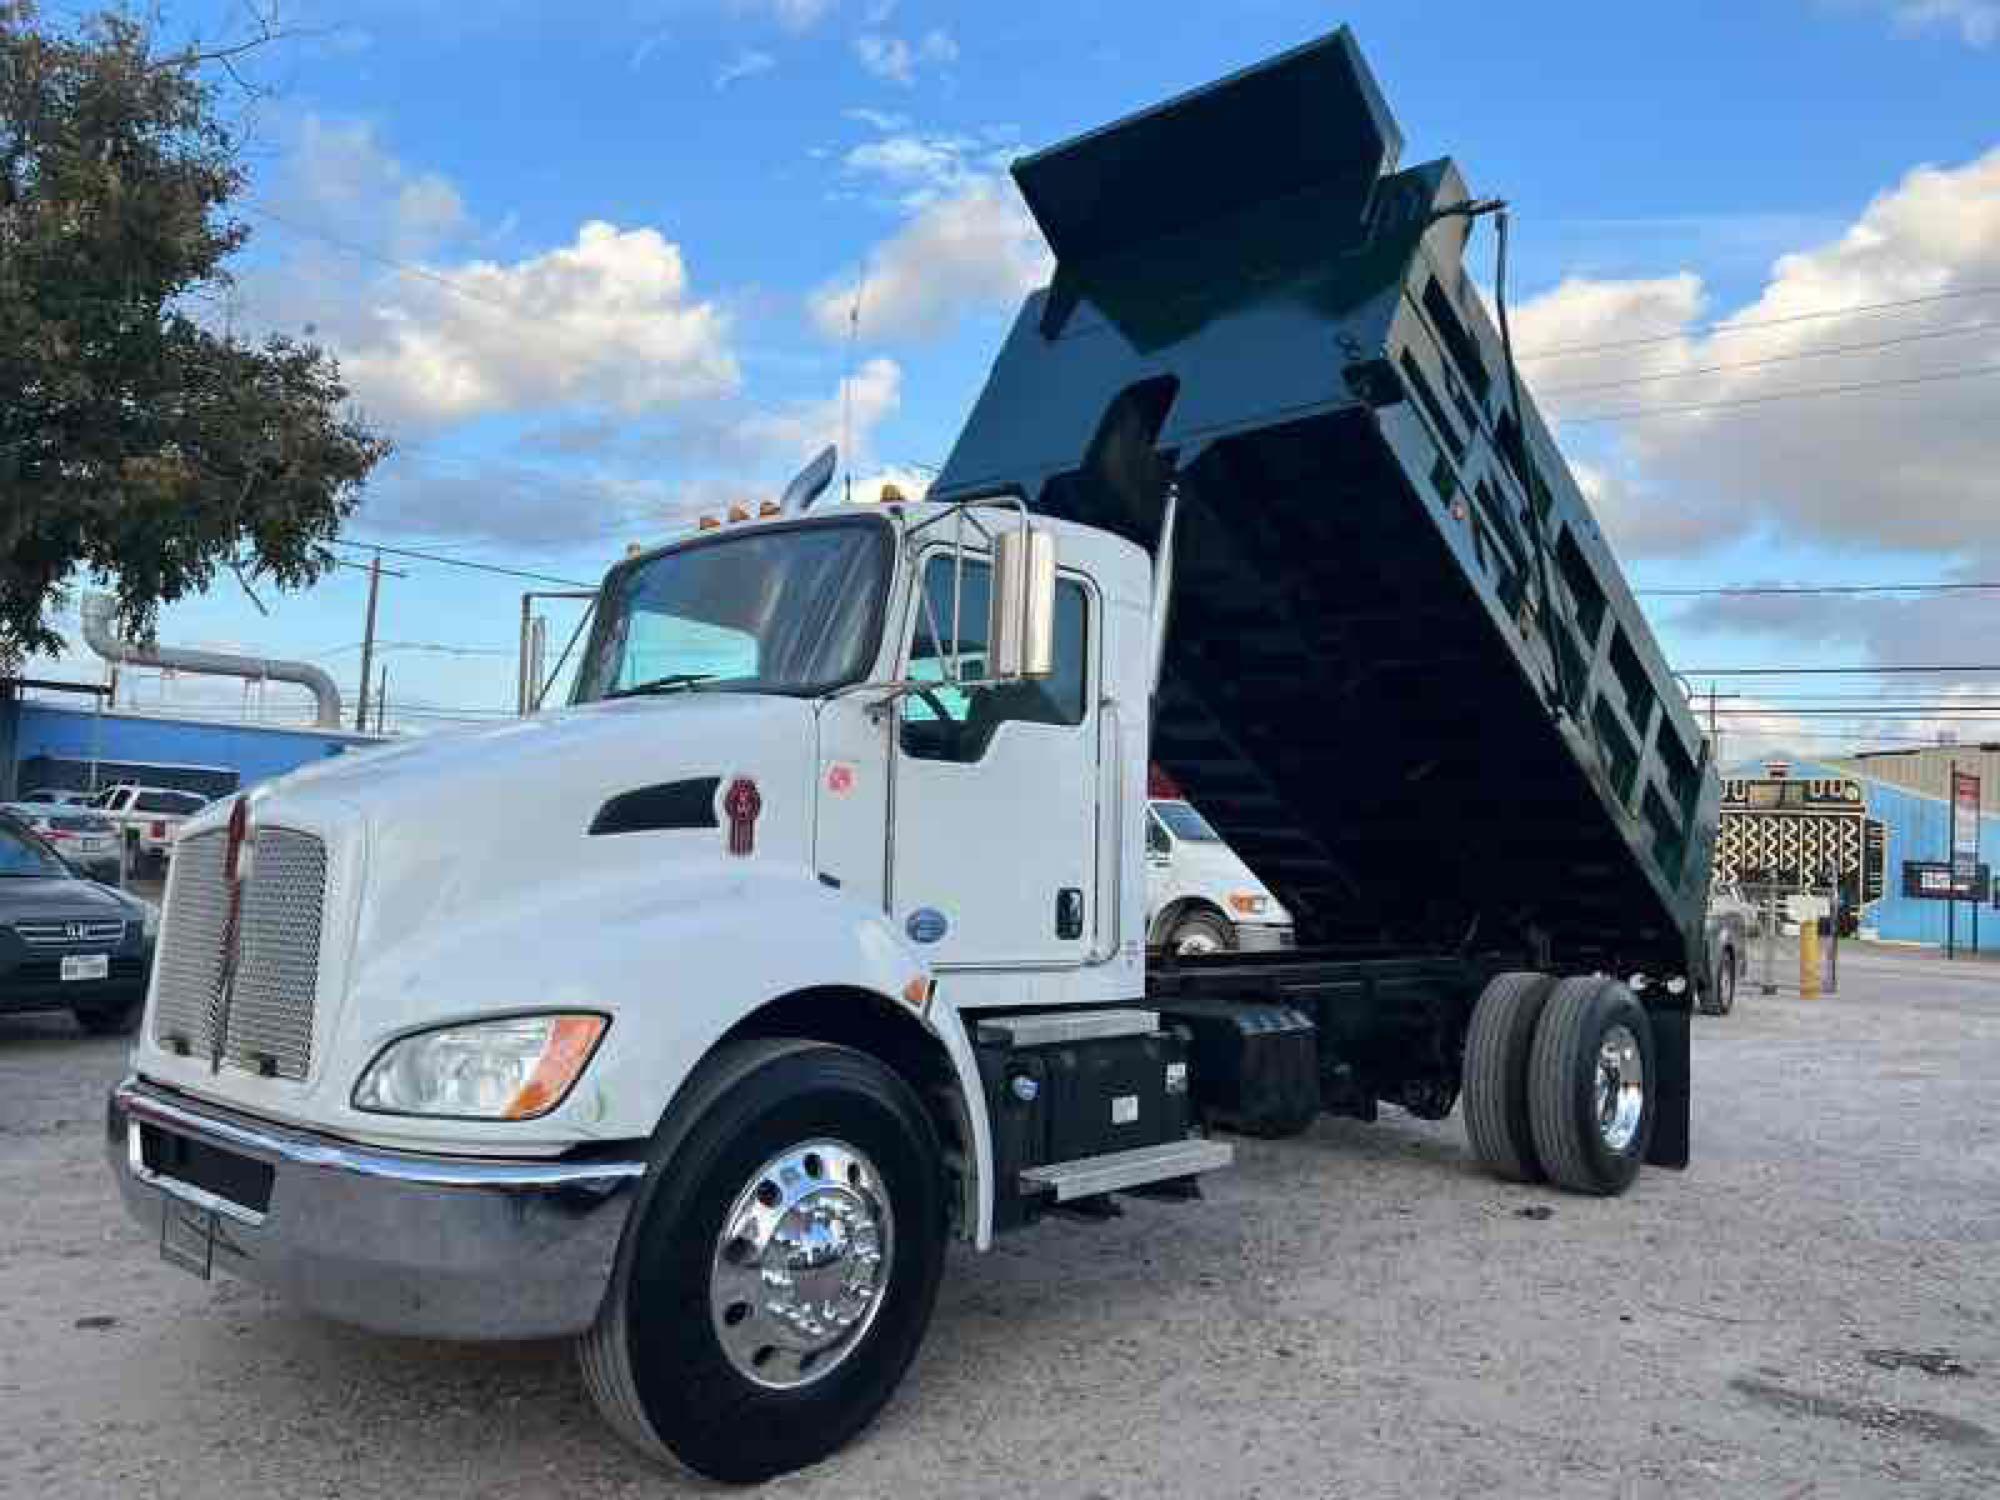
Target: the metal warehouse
(45, 744)
(1879, 822)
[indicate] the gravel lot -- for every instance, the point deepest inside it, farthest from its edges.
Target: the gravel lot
(1357, 1312)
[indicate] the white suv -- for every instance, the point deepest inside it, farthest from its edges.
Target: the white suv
(1200, 897)
(150, 817)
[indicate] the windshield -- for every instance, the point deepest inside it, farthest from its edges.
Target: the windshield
(1186, 823)
(22, 855)
(785, 609)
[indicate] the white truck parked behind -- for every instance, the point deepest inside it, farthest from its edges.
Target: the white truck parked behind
(1200, 896)
(815, 936)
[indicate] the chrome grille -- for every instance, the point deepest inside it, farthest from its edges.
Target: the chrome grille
(270, 1004)
(277, 970)
(188, 968)
(69, 934)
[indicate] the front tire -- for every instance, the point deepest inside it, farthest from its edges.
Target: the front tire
(1591, 1083)
(1197, 933)
(120, 1020)
(778, 1278)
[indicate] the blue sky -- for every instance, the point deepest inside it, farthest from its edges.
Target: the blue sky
(592, 265)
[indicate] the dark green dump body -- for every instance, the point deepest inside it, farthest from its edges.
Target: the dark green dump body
(1404, 676)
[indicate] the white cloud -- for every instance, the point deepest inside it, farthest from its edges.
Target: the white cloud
(606, 321)
(647, 47)
(977, 248)
(883, 120)
(1908, 468)
(339, 173)
(745, 64)
(896, 60)
(795, 16)
(853, 411)
(918, 169)
(1976, 21)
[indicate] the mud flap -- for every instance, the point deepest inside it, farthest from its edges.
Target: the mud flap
(1672, 1097)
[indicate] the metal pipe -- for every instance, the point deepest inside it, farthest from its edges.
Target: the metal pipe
(101, 636)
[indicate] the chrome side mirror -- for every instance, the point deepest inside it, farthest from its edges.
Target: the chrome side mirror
(1021, 628)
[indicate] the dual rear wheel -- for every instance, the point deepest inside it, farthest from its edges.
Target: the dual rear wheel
(1560, 1079)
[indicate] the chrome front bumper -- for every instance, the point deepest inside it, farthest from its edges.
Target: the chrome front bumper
(1252, 938)
(433, 1246)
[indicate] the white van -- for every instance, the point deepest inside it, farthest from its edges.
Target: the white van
(1200, 897)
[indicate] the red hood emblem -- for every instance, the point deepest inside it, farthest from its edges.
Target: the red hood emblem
(742, 802)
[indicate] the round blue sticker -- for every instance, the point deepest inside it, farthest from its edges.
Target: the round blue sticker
(926, 925)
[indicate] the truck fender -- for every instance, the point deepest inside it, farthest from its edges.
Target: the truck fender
(812, 941)
(701, 952)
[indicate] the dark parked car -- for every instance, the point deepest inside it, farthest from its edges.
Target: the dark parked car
(88, 840)
(68, 943)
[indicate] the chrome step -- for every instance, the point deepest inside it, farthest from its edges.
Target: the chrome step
(1067, 1027)
(1091, 1175)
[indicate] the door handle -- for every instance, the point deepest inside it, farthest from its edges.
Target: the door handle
(1069, 912)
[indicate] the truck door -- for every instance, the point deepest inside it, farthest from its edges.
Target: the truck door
(993, 823)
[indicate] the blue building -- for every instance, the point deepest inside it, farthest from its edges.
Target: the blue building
(1872, 820)
(45, 744)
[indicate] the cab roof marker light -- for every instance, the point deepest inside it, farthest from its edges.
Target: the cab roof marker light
(738, 513)
(767, 509)
(708, 523)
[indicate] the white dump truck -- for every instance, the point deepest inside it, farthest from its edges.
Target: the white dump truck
(815, 937)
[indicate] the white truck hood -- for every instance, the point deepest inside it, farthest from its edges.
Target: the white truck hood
(462, 840)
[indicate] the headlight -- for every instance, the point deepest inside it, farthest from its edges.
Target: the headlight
(514, 1069)
(150, 919)
(1248, 904)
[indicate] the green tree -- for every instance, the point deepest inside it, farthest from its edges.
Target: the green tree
(138, 443)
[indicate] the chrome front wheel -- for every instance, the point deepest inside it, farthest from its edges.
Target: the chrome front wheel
(802, 1264)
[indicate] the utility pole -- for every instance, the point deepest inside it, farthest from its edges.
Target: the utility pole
(1951, 906)
(368, 643)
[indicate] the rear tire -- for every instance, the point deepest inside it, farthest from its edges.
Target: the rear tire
(675, 1361)
(1497, 1049)
(1721, 997)
(1591, 1084)
(122, 1021)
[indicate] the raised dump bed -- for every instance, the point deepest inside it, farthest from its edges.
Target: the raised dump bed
(1404, 677)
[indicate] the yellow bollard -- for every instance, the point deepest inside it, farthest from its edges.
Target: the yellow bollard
(1809, 959)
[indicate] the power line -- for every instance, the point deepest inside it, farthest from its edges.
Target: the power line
(461, 562)
(1776, 359)
(1734, 590)
(362, 252)
(1719, 327)
(1957, 700)
(1785, 736)
(1809, 393)
(1983, 715)
(1827, 671)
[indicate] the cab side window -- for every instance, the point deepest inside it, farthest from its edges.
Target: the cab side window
(1157, 842)
(957, 724)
